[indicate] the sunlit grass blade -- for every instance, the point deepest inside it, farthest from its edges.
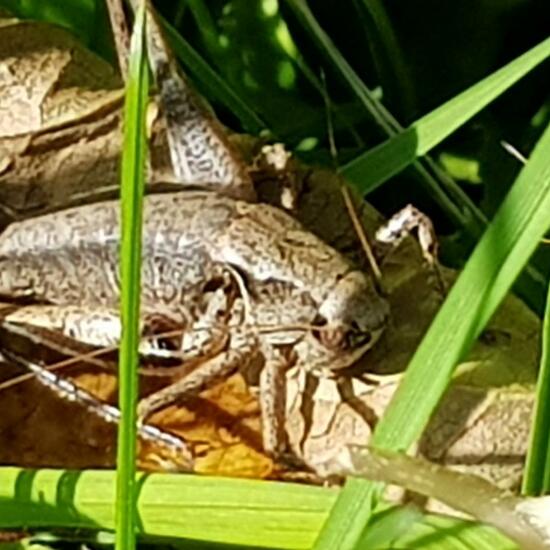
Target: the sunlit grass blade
(536, 479)
(377, 165)
(204, 508)
(201, 508)
(348, 517)
(132, 185)
(504, 250)
(455, 203)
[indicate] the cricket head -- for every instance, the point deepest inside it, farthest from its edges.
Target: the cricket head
(351, 318)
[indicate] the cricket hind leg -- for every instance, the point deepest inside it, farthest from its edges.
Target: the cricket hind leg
(95, 326)
(241, 350)
(179, 457)
(199, 148)
(165, 344)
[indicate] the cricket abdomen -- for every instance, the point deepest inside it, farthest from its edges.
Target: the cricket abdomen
(72, 256)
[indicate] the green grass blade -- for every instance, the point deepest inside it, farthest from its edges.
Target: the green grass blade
(231, 511)
(206, 26)
(377, 165)
(378, 112)
(348, 517)
(390, 525)
(444, 533)
(387, 53)
(255, 514)
(132, 184)
(442, 188)
(536, 479)
(499, 257)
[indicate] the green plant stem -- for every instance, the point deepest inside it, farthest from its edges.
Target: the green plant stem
(536, 479)
(132, 186)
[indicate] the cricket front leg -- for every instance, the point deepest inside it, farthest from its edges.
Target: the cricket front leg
(242, 349)
(407, 221)
(273, 405)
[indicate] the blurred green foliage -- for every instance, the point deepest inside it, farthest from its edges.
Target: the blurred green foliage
(87, 19)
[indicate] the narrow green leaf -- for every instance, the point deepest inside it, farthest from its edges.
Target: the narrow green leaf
(536, 479)
(444, 533)
(232, 511)
(132, 184)
(387, 53)
(206, 26)
(441, 187)
(377, 165)
(348, 517)
(390, 525)
(378, 112)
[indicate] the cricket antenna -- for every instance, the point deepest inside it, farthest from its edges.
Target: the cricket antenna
(348, 201)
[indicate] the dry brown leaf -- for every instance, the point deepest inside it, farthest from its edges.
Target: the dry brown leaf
(60, 121)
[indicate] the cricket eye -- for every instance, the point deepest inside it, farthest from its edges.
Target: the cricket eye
(356, 338)
(167, 344)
